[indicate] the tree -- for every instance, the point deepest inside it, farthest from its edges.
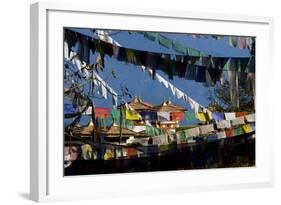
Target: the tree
(220, 101)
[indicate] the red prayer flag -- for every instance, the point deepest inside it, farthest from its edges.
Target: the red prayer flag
(241, 114)
(131, 152)
(102, 112)
(229, 132)
(178, 116)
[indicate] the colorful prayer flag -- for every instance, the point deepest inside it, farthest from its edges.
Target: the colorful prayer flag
(132, 115)
(177, 116)
(241, 114)
(102, 112)
(218, 116)
(190, 116)
(201, 116)
(247, 128)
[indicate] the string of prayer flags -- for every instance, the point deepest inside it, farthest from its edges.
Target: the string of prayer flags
(179, 94)
(162, 80)
(183, 66)
(222, 130)
(106, 46)
(168, 43)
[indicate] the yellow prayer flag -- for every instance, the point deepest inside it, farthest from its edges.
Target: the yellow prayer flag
(108, 155)
(132, 115)
(130, 55)
(88, 148)
(209, 114)
(201, 116)
(247, 128)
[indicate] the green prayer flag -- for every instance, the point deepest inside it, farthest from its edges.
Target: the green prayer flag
(234, 64)
(179, 47)
(151, 35)
(182, 136)
(153, 131)
(227, 65)
(243, 64)
(202, 54)
(233, 41)
(251, 66)
(164, 41)
(115, 118)
(190, 116)
(238, 131)
(193, 52)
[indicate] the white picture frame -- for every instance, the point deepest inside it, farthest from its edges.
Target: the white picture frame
(46, 164)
